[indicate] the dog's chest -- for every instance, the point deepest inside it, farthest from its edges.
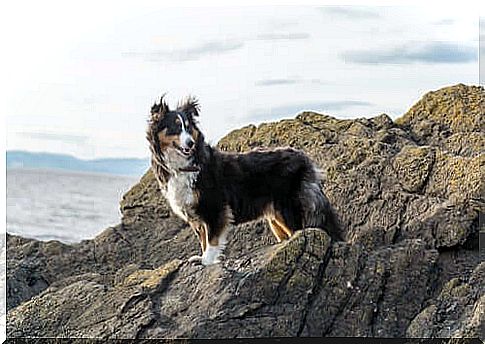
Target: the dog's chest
(181, 195)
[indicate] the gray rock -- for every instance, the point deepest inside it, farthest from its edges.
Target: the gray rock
(408, 196)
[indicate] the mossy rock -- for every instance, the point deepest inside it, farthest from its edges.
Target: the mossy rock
(150, 279)
(457, 176)
(412, 167)
(447, 111)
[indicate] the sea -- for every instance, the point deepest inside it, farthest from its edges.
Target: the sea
(48, 204)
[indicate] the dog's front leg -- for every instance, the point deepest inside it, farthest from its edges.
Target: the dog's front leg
(200, 231)
(215, 244)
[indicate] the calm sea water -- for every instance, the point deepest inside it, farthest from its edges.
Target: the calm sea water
(63, 205)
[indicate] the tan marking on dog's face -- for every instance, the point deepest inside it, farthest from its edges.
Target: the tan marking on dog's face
(168, 140)
(194, 133)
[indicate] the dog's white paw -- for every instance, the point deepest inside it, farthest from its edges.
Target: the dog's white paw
(195, 259)
(211, 255)
(207, 261)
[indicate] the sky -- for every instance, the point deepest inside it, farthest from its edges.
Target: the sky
(79, 78)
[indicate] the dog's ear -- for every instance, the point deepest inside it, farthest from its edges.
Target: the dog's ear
(156, 114)
(190, 106)
(158, 110)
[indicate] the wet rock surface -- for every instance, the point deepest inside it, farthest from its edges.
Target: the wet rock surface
(408, 194)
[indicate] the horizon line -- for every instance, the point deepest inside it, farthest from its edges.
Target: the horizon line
(74, 156)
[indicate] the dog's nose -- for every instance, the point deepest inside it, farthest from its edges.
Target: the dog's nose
(190, 143)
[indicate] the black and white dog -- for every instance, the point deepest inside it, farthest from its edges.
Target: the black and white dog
(210, 189)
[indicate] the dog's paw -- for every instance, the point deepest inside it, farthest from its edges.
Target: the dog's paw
(195, 259)
(212, 255)
(206, 262)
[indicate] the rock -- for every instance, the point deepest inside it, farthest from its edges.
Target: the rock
(296, 280)
(446, 116)
(407, 193)
(458, 311)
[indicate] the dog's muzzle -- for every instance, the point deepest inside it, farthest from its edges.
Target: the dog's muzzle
(186, 152)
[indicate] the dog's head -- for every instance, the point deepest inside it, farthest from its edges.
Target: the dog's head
(174, 131)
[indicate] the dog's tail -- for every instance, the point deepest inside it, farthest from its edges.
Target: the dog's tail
(316, 208)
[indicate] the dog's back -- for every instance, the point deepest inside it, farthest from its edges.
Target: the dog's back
(282, 183)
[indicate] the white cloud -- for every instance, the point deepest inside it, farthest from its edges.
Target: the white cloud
(418, 52)
(65, 69)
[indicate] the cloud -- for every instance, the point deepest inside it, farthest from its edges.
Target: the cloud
(211, 48)
(287, 81)
(445, 21)
(278, 23)
(437, 52)
(275, 82)
(283, 36)
(65, 138)
(350, 12)
(190, 53)
(279, 111)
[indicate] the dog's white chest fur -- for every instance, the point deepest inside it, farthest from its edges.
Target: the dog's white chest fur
(180, 194)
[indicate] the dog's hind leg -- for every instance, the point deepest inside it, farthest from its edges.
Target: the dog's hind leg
(277, 230)
(283, 225)
(277, 223)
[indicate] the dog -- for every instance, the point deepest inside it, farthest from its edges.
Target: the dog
(210, 189)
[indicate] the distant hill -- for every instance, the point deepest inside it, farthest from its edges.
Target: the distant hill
(23, 159)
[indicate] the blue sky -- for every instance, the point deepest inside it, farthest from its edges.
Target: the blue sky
(81, 77)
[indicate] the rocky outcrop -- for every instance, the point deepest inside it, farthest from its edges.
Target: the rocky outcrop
(408, 194)
(458, 311)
